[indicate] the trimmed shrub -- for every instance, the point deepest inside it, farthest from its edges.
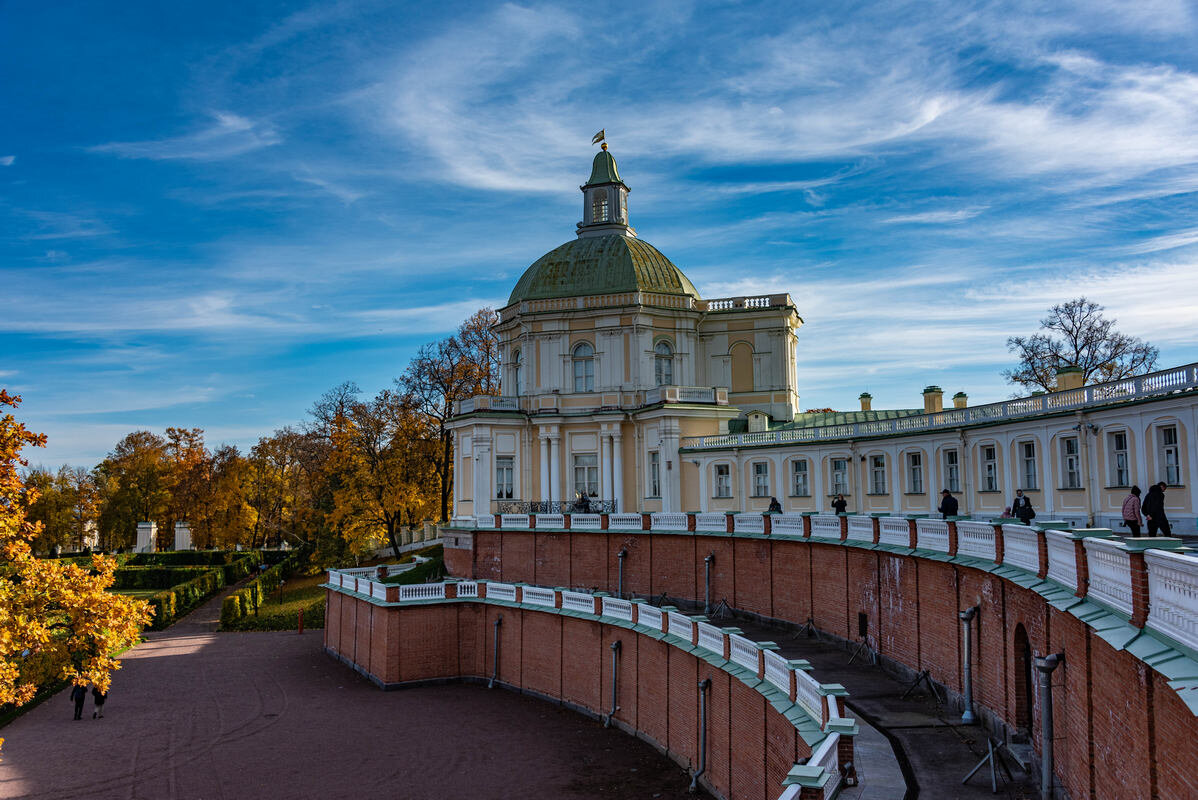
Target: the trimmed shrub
(256, 590)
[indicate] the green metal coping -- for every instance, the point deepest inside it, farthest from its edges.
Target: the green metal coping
(1175, 661)
(807, 727)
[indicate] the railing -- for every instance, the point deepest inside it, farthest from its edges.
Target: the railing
(680, 625)
(744, 652)
(422, 591)
(1155, 383)
(809, 695)
(742, 303)
(616, 608)
(1173, 587)
(1062, 560)
(1021, 547)
(585, 522)
(894, 531)
(593, 506)
(488, 403)
(1110, 574)
(514, 520)
(931, 534)
(827, 755)
(786, 524)
(706, 395)
(578, 601)
(501, 591)
(712, 522)
(712, 638)
(668, 521)
(861, 529)
(826, 526)
(649, 616)
(627, 522)
(748, 523)
(551, 521)
(777, 670)
(975, 539)
(485, 520)
(538, 596)
(467, 588)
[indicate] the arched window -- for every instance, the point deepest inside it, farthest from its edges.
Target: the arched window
(516, 365)
(599, 206)
(663, 364)
(742, 367)
(584, 367)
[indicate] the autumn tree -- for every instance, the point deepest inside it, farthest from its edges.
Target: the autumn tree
(479, 344)
(218, 511)
(133, 487)
(275, 487)
(51, 611)
(1076, 334)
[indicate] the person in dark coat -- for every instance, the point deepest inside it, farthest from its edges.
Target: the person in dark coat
(948, 505)
(839, 504)
(775, 506)
(1154, 510)
(79, 697)
(98, 697)
(1021, 508)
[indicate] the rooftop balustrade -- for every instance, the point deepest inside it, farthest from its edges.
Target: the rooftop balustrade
(549, 403)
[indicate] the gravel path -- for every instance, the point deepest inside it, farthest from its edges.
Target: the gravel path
(196, 715)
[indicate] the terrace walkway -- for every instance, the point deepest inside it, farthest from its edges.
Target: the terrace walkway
(194, 713)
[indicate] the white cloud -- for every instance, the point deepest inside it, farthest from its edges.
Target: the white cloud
(936, 217)
(7, 161)
(230, 135)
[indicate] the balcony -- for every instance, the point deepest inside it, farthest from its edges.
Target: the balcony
(747, 303)
(589, 402)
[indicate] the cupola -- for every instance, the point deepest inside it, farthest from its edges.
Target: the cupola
(604, 200)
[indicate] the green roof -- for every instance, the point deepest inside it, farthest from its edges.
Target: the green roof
(601, 265)
(811, 420)
(603, 169)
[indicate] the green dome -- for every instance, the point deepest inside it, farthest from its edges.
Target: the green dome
(603, 169)
(601, 265)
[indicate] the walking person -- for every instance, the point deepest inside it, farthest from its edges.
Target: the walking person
(948, 505)
(1021, 507)
(1131, 511)
(98, 697)
(79, 697)
(839, 504)
(1154, 510)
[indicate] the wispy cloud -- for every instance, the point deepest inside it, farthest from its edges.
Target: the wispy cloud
(229, 135)
(935, 217)
(7, 161)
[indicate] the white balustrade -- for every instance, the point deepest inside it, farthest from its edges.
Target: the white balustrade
(624, 522)
(1110, 574)
(743, 651)
(668, 521)
(376, 590)
(334, 577)
(501, 591)
(1062, 559)
(861, 528)
(616, 608)
(711, 638)
(975, 539)
(680, 625)
(422, 591)
(712, 522)
(826, 754)
(585, 522)
(931, 534)
(514, 520)
(649, 616)
(1173, 595)
(809, 695)
(786, 524)
(777, 671)
(894, 531)
(550, 521)
(462, 522)
(467, 589)
(1021, 547)
(825, 526)
(748, 523)
(579, 601)
(485, 521)
(538, 596)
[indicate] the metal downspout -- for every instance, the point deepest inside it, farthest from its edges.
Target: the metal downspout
(495, 654)
(704, 685)
(1045, 666)
(708, 560)
(967, 617)
(615, 677)
(623, 554)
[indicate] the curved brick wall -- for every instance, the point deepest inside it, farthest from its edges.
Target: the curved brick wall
(563, 655)
(1122, 730)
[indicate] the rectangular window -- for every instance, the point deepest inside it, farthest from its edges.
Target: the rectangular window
(1027, 459)
(654, 473)
(586, 474)
(840, 476)
(800, 486)
(990, 468)
(952, 471)
(1118, 457)
(915, 473)
(1170, 454)
(761, 479)
(723, 480)
(1071, 463)
(503, 477)
(877, 474)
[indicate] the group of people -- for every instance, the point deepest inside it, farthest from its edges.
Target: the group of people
(79, 697)
(1153, 509)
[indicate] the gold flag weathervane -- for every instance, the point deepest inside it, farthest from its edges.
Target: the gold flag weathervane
(598, 137)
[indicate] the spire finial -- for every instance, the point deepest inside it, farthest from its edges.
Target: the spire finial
(603, 146)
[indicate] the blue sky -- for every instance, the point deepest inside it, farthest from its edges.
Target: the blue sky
(212, 212)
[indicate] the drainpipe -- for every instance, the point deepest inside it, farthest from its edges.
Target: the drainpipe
(1045, 666)
(615, 676)
(704, 685)
(708, 560)
(623, 554)
(495, 654)
(966, 635)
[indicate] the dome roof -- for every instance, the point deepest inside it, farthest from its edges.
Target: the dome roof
(601, 265)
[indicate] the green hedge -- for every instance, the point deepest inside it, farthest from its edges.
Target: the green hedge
(280, 620)
(142, 578)
(241, 603)
(176, 601)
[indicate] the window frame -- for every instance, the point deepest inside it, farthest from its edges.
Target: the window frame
(600, 206)
(654, 474)
(988, 464)
(510, 469)
(1071, 463)
(915, 476)
(590, 474)
(722, 481)
(796, 473)
(952, 471)
(584, 367)
(1029, 471)
(517, 366)
(663, 363)
(1170, 467)
(877, 474)
(1119, 474)
(761, 478)
(838, 479)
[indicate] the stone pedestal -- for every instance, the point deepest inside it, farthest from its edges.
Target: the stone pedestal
(182, 536)
(147, 537)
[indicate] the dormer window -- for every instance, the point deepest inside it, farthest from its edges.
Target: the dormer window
(599, 206)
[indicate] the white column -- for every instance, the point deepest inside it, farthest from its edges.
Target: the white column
(483, 491)
(703, 467)
(558, 477)
(671, 468)
(544, 493)
(617, 470)
(1047, 476)
(815, 463)
(604, 466)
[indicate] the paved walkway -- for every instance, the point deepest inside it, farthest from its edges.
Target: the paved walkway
(197, 715)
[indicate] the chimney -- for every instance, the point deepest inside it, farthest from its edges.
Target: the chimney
(933, 399)
(1070, 378)
(960, 400)
(866, 398)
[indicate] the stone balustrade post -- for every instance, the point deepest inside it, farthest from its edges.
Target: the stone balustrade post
(806, 525)
(877, 526)
(999, 542)
(646, 522)
(952, 537)
(566, 521)
(1139, 589)
(729, 522)
(912, 533)
(451, 588)
(557, 596)
(766, 524)
(690, 521)
(482, 590)
(1042, 548)
(532, 522)
(603, 522)
(844, 527)
(392, 594)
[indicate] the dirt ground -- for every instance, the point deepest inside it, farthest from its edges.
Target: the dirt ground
(195, 715)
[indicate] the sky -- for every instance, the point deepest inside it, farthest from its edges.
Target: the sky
(212, 212)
